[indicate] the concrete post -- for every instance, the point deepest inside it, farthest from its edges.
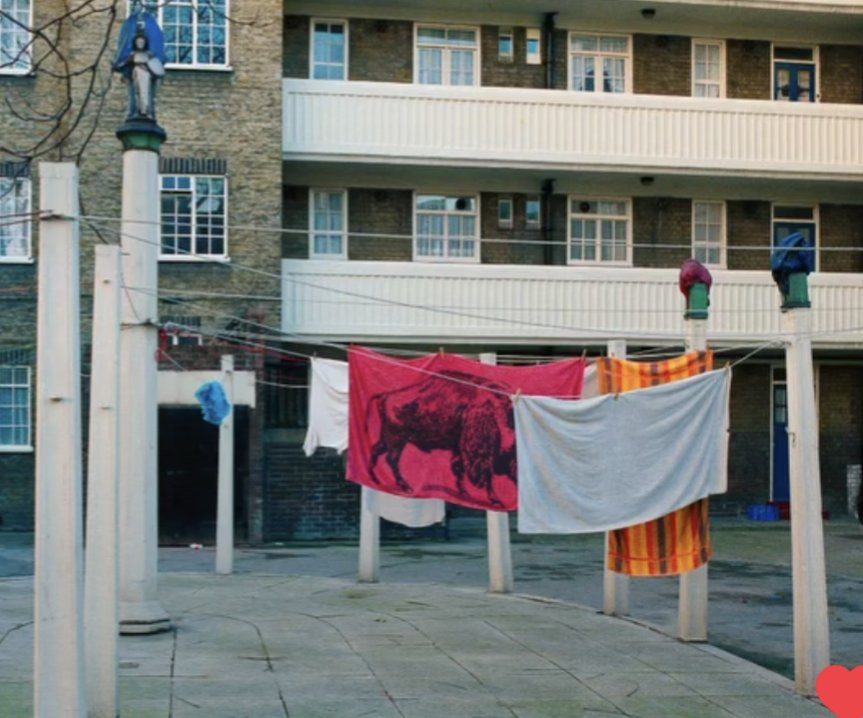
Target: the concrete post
(100, 581)
(692, 599)
(140, 610)
(369, 568)
(59, 689)
(225, 506)
(497, 524)
(811, 626)
(615, 585)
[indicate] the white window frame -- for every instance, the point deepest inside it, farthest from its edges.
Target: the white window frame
(815, 62)
(816, 221)
(599, 85)
(343, 233)
(194, 65)
(570, 215)
(445, 68)
(723, 234)
(475, 258)
(26, 51)
(28, 446)
(533, 223)
(312, 63)
(720, 83)
(533, 58)
(25, 223)
(193, 256)
(504, 222)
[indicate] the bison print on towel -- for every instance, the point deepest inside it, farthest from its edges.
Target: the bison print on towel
(467, 416)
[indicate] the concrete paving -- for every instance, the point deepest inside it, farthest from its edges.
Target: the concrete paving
(291, 634)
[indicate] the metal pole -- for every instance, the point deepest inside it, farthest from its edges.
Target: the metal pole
(225, 509)
(59, 688)
(100, 580)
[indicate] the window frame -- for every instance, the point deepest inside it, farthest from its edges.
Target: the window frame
(506, 32)
(209, 67)
(721, 82)
(528, 222)
(723, 234)
(533, 58)
(446, 258)
(503, 222)
(445, 67)
(27, 447)
(27, 51)
(815, 221)
(599, 86)
(194, 256)
(570, 215)
(28, 223)
(346, 34)
(815, 62)
(312, 231)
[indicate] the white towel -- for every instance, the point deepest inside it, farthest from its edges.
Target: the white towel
(618, 460)
(403, 510)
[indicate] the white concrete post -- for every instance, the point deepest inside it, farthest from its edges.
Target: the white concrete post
(692, 599)
(225, 507)
(369, 568)
(100, 579)
(811, 627)
(497, 524)
(140, 610)
(615, 585)
(59, 686)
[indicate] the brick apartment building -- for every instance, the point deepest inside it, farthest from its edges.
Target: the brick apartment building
(513, 177)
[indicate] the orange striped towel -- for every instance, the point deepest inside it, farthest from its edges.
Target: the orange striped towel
(680, 541)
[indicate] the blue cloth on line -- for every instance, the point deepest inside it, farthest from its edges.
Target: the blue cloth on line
(214, 402)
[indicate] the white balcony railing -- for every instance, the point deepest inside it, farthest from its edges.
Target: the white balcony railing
(423, 302)
(388, 122)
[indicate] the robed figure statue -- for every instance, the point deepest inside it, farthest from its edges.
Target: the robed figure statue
(141, 60)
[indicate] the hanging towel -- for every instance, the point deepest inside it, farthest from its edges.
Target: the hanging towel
(214, 402)
(328, 426)
(441, 426)
(680, 541)
(613, 461)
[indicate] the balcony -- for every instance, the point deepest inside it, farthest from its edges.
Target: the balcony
(528, 129)
(513, 304)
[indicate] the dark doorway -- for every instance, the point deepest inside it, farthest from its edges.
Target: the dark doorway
(188, 475)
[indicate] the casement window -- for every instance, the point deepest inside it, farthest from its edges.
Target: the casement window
(708, 232)
(15, 220)
(533, 46)
(329, 55)
(328, 219)
(504, 212)
(599, 63)
(788, 219)
(505, 44)
(16, 16)
(196, 32)
(599, 231)
(533, 212)
(447, 55)
(445, 228)
(708, 68)
(15, 391)
(193, 217)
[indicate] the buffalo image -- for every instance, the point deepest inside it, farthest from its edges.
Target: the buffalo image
(461, 413)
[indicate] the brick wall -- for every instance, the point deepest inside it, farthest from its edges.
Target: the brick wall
(662, 65)
(295, 39)
(659, 224)
(841, 226)
(748, 69)
(295, 216)
(384, 211)
(841, 73)
(749, 447)
(381, 50)
(517, 252)
(748, 226)
(840, 413)
(508, 73)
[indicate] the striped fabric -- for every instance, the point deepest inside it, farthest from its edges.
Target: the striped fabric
(680, 541)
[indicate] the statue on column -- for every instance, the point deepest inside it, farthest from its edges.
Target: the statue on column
(141, 60)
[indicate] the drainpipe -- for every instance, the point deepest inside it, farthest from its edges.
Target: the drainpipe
(548, 30)
(547, 192)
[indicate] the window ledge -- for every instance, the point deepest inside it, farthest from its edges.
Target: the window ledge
(16, 449)
(17, 260)
(17, 73)
(200, 68)
(198, 259)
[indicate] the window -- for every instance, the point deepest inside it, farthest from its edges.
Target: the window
(533, 49)
(533, 212)
(794, 73)
(193, 216)
(14, 407)
(196, 31)
(504, 212)
(446, 227)
(15, 18)
(328, 219)
(505, 44)
(708, 68)
(708, 232)
(329, 50)
(788, 219)
(14, 219)
(446, 55)
(599, 231)
(599, 56)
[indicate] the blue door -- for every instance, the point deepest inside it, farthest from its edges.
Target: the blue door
(794, 82)
(780, 490)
